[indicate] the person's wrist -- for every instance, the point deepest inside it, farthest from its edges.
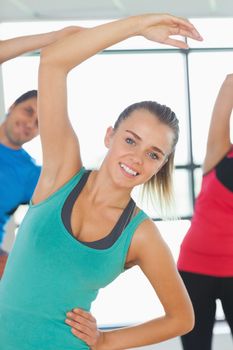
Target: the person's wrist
(145, 21)
(62, 33)
(101, 343)
(140, 24)
(134, 25)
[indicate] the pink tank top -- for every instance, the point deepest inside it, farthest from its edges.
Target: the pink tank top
(208, 245)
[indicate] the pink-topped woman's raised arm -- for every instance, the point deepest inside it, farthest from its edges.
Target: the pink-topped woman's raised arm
(219, 142)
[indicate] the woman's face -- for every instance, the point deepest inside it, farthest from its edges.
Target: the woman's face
(137, 149)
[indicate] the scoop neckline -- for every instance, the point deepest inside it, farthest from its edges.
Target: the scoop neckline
(105, 250)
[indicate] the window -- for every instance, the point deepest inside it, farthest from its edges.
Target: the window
(207, 70)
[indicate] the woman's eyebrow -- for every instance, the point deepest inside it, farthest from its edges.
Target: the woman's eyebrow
(140, 139)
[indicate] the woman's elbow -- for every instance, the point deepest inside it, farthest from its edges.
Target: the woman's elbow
(186, 322)
(46, 56)
(52, 60)
(188, 326)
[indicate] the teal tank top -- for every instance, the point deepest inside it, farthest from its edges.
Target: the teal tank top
(49, 272)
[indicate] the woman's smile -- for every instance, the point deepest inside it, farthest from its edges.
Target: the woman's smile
(128, 171)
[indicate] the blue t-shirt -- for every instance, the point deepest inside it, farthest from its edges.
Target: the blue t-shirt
(18, 177)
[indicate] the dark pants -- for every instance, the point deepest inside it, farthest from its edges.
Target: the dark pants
(203, 291)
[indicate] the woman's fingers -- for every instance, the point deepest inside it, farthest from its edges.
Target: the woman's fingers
(83, 325)
(85, 314)
(85, 337)
(184, 23)
(176, 43)
(159, 28)
(87, 323)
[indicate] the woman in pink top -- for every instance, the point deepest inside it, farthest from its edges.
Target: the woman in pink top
(206, 256)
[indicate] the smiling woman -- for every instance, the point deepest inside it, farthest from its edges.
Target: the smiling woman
(66, 264)
(151, 134)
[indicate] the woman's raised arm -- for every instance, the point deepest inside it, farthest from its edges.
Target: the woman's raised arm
(219, 142)
(61, 154)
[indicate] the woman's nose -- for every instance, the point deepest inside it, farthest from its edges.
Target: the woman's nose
(137, 157)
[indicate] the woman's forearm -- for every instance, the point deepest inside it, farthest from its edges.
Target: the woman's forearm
(219, 130)
(66, 54)
(225, 98)
(78, 47)
(147, 333)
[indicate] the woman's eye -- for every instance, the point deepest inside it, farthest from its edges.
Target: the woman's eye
(129, 141)
(153, 155)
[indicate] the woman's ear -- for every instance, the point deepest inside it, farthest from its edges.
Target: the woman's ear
(108, 136)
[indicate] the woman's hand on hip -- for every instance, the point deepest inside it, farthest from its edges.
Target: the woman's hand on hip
(83, 326)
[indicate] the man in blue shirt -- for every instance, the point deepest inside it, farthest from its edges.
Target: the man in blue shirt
(18, 171)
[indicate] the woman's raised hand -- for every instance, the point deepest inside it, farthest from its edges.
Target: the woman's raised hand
(160, 28)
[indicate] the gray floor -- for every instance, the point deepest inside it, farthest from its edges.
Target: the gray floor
(220, 342)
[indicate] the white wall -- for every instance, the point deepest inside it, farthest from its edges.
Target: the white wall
(2, 106)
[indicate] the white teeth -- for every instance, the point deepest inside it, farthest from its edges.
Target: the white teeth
(128, 170)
